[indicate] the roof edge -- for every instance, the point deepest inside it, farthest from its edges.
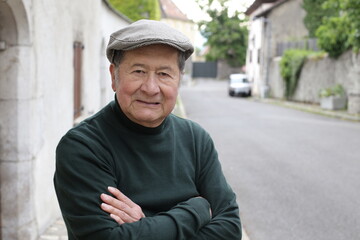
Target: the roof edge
(255, 5)
(117, 12)
(276, 4)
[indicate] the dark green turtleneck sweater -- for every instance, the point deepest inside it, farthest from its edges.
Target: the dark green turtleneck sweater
(162, 169)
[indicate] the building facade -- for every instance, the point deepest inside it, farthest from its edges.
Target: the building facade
(53, 71)
(271, 23)
(174, 17)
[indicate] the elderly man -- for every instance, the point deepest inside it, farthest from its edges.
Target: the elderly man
(134, 170)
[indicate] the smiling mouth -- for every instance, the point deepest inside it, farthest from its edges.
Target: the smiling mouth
(148, 103)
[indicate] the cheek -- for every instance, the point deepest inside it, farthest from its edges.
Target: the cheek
(127, 86)
(171, 93)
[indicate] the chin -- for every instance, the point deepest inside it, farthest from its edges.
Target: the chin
(149, 120)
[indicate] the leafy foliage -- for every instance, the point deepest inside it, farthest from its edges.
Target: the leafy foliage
(352, 9)
(337, 90)
(333, 36)
(315, 14)
(138, 9)
(226, 38)
(290, 68)
(341, 31)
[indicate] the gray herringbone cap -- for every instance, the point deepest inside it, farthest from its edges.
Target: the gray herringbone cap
(148, 32)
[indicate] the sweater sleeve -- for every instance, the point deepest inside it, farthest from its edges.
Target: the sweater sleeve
(80, 178)
(213, 186)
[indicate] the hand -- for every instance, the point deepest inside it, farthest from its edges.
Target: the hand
(121, 208)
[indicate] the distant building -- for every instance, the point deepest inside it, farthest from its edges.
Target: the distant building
(272, 22)
(173, 16)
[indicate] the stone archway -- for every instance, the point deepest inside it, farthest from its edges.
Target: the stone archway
(16, 166)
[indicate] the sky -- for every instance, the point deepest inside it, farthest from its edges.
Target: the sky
(192, 10)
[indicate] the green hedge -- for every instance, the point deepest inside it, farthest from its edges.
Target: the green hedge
(341, 30)
(333, 36)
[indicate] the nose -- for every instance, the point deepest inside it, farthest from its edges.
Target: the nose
(150, 85)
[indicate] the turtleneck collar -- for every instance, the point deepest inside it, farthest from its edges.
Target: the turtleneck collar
(132, 126)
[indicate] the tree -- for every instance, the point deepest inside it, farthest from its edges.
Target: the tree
(226, 37)
(341, 31)
(333, 36)
(351, 9)
(138, 9)
(315, 14)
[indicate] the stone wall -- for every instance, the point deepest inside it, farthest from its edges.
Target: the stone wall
(322, 73)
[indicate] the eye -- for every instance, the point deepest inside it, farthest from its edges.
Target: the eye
(139, 71)
(164, 74)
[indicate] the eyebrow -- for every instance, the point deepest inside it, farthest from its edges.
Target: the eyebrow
(165, 67)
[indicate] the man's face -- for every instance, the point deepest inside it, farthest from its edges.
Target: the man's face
(146, 83)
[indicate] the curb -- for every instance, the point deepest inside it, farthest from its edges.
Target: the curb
(312, 108)
(244, 235)
(179, 109)
(57, 231)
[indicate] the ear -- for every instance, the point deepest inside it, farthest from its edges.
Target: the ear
(112, 70)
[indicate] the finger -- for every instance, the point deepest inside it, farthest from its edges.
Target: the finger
(117, 219)
(121, 217)
(128, 206)
(133, 213)
(115, 203)
(122, 197)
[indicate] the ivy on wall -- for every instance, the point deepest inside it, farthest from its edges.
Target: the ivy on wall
(290, 69)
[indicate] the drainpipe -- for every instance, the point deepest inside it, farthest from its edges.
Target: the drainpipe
(264, 87)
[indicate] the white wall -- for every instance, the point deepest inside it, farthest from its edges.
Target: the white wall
(91, 23)
(110, 22)
(57, 24)
(37, 99)
(255, 44)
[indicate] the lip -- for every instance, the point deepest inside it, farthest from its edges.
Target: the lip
(148, 103)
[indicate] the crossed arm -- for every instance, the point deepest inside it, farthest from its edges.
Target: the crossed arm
(121, 208)
(86, 212)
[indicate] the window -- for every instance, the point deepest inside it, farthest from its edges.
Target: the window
(78, 51)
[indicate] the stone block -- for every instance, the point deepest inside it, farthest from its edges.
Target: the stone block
(354, 103)
(8, 130)
(21, 129)
(333, 103)
(9, 72)
(17, 200)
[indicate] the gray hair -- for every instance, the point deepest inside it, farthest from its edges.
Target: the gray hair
(118, 57)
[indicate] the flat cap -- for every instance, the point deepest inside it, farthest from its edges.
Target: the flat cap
(147, 32)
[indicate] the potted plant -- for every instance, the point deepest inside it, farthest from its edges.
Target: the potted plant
(333, 98)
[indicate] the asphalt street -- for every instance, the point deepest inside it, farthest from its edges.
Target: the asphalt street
(296, 174)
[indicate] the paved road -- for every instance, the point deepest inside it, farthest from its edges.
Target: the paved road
(296, 174)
